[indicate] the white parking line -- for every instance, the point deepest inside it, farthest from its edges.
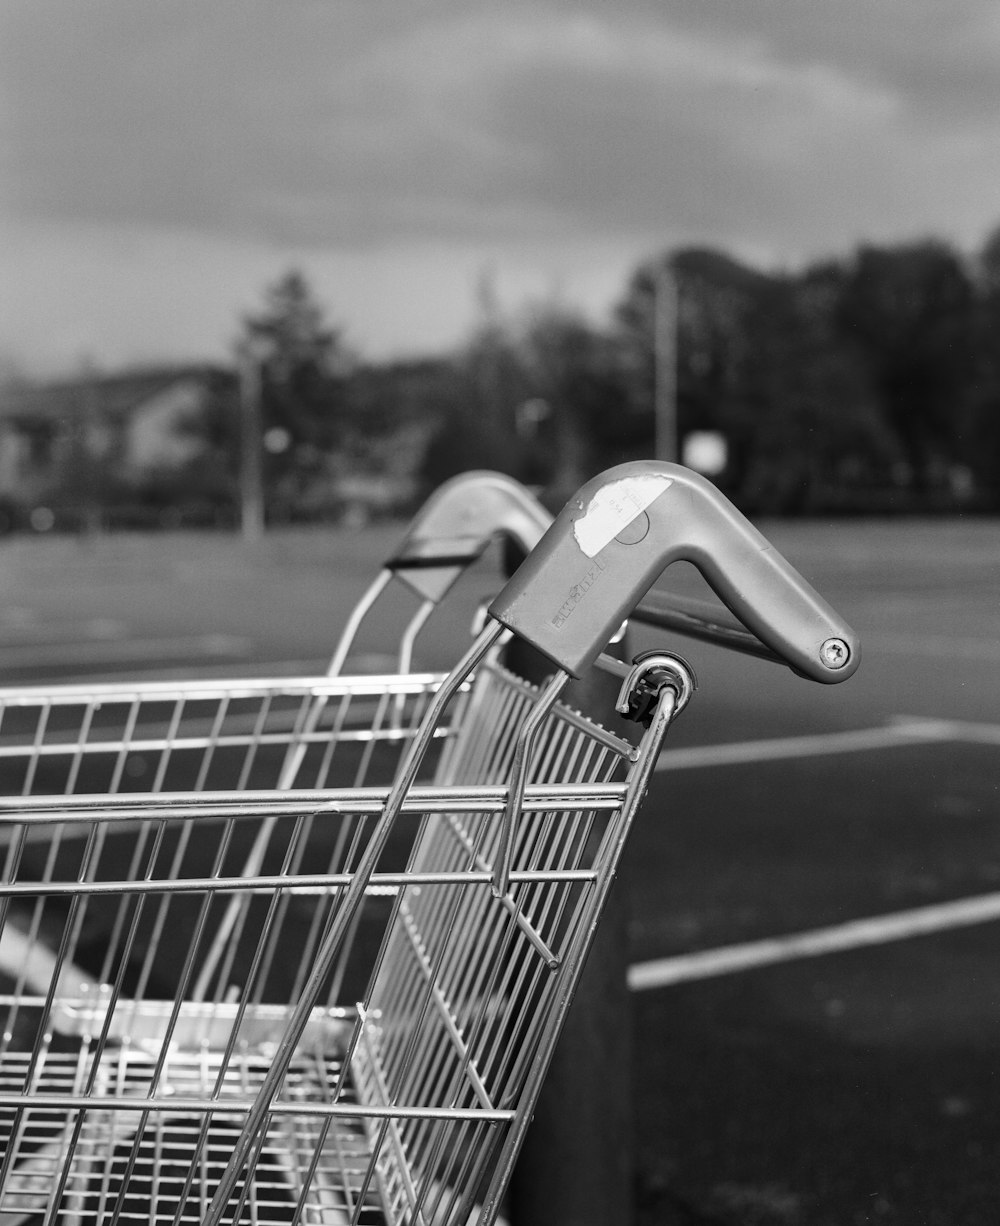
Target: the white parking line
(901, 731)
(976, 732)
(854, 934)
(23, 628)
(119, 651)
(839, 938)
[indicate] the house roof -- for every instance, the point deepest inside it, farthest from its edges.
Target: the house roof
(114, 395)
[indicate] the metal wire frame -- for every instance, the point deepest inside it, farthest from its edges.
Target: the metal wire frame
(208, 736)
(118, 739)
(396, 1118)
(89, 1162)
(228, 1042)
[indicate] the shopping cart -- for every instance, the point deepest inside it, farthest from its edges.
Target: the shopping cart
(195, 877)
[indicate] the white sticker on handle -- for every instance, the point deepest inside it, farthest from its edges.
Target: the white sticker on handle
(613, 508)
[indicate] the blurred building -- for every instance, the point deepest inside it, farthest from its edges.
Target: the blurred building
(160, 446)
(66, 446)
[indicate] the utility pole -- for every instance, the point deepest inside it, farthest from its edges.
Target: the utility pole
(251, 457)
(89, 476)
(665, 321)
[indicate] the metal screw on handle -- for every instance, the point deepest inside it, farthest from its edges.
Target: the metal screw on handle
(835, 653)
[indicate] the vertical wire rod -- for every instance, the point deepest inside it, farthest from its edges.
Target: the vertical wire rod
(350, 630)
(519, 776)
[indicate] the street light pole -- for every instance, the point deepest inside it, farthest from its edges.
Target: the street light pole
(251, 458)
(665, 363)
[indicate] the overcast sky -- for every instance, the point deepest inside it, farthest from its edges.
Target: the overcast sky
(163, 160)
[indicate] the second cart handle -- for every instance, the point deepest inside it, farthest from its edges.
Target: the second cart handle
(612, 541)
(458, 522)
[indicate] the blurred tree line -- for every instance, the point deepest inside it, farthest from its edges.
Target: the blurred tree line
(857, 384)
(864, 383)
(868, 383)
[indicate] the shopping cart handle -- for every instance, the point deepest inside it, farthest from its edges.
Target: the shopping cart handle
(613, 540)
(458, 522)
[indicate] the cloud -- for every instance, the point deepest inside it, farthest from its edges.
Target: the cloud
(398, 147)
(474, 121)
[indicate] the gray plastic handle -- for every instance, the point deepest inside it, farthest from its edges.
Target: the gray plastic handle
(614, 539)
(456, 524)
